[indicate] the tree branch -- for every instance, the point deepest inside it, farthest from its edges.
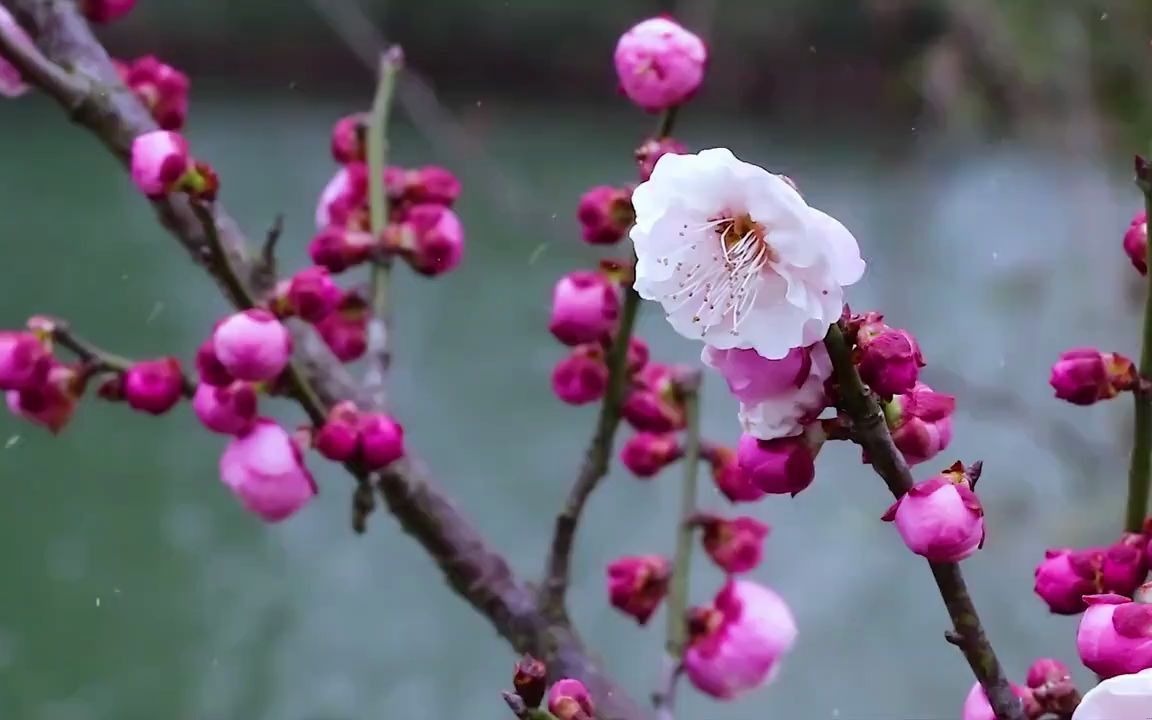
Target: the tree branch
(871, 433)
(73, 68)
(97, 358)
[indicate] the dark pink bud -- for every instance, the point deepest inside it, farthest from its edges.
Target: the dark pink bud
(569, 700)
(337, 248)
(348, 139)
(530, 680)
(1046, 671)
(106, 11)
(160, 87)
(654, 403)
(781, 466)
(889, 360)
(921, 422)
(339, 438)
(312, 295)
(51, 402)
(1065, 576)
(1136, 242)
(646, 453)
(605, 214)
(381, 440)
(344, 200)
(209, 367)
(582, 376)
(1125, 565)
(228, 410)
(346, 330)
(736, 545)
(637, 585)
(637, 355)
(652, 150)
(1083, 376)
(585, 307)
(154, 386)
(940, 519)
(430, 184)
(432, 239)
(24, 360)
(731, 479)
(252, 345)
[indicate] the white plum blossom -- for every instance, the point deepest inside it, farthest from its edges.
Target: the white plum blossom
(1124, 697)
(736, 257)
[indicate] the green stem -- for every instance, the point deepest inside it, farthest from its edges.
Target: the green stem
(682, 562)
(1140, 468)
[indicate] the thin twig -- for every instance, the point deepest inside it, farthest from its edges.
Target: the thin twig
(1140, 467)
(99, 359)
(871, 432)
(263, 275)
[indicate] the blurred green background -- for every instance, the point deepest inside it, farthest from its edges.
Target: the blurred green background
(979, 150)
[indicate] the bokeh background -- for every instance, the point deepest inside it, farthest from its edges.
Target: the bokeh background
(979, 149)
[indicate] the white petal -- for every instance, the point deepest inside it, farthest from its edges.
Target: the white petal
(843, 252)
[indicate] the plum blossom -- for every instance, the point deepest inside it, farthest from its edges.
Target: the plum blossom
(1124, 697)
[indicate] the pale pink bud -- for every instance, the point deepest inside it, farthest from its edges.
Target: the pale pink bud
(11, 81)
(752, 378)
(106, 11)
(348, 139)
(337, 248)
(49, 403)
(1065, 576)
(24, 360)
(433, 239)
(569, 700)
(977, 707)
(660, 64)
(209, 367)
(252, 345)
(921, 422)
(160, 161)
(582, 377)
(737, 644)
(312, 295)
(1115, 636)
(605, 214)
(940, 519)
(381, 440)
(1125, 697)
(654, 402)
(160, 87)
(638, 584)
(646, 453)
(339, 438)
(344, 199)
(654, 149)
(1046, 671)
(731, 479)
(265, 470)
(154, 386)
(345, 331)
(229, 410)
(1083, 376)
(585, 306)
(1136, 242)
(781, 466)
(889, 359)
(736, 545)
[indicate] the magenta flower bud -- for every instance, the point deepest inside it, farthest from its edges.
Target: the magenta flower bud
(605, 214)
(1083, 376)
(1047, 671)
(781, 466)
(638, 584)
(921, 423)
(11, 81)
(312, 295)
(654, 149)
(654, 403)
(345, 331)
(582, 377)
(1125, 565)
(51, 402)
(228, 410)
(252, 345)
(1065, 576)
(1115, 636)
(889, 359)
(24, 360)
(638, 355)
(660, 64)
(337, 248)
(348, 139)
(585, 307)
(432, 239)
(730, 479)
(106, 11)
(209, 367)
(646, 453)
(339, 438)
(154, 386)
(569, 700)
(160, 161)
(940, 519)
(381, 440)
(751, 378)
(344, 200)
(977, 707)
(738, 644)
(429, 184)
(160, 87)
(1136, 242)
(735, 545)
(265, 470)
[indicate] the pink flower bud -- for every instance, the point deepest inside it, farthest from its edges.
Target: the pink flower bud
(780, 466)
(637, 585)
(1115, 636)
(940, 519)
(49, 403)
(228, 410)
(921, 423)
(265, 470)
(1083, 376)
(1125, 566)
(654, 149)
(1046, 671)
(582, 377)
(345, 331)
(1125, 697)
(429, 184)
(339, 438)
(646, 453)
(654, 403)
(160, 161)
(1136, 242)
(209, 367)
(381, 440)
(106, 11)
(11, 81)
(605, 214)
(731, 479)
(569, 700)
(660, 64)
(735, 545)
(638, 355)
(433, 241)
(585, 306)
(889, 360)
(977, 707)
(337, 248)
(752, 378)
(161, 88)
(348, 139)
(313, 295)
(344, 200)
(154, 386)
(24, 360)
(252, 345)
(737, 644)
(530, 680)
(1066, 576)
